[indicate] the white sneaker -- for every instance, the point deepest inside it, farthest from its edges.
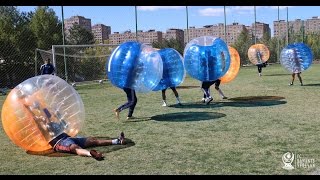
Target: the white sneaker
(208, 100)
(164, 104)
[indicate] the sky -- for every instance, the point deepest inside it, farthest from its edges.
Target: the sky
(161, 18)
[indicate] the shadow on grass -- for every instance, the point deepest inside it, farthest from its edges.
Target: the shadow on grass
(188, 116)
(247, 101)
(276, 75)
(256, 98)
(137, 119)
(103, 149)
(253, 101)
(187, 87)
(311, 84)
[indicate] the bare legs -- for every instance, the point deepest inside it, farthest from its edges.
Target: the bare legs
(293, 78)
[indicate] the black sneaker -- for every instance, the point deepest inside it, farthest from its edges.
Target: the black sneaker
(290, 84)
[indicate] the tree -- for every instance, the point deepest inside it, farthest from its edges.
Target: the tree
(79, 35)
(46, 27)
(171, 43)
(17, 45)
(242, 45)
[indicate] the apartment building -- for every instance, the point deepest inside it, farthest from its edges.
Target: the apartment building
(173, 33)
(101, 32)
(297, 26)
(79, 20)
(149, 36)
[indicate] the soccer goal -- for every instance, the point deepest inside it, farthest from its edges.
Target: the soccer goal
(78, 64)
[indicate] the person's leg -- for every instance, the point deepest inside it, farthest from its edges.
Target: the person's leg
(300, 79)
(204, 98)
(176, 95)
(84, 152)
(164, 97)
(259, 69)
(292, 80)
(217, 87)
(126, 105)
(204, 94)
(80, 143)
(93, 142)
(206, 90)
(133, 104)
(69, 145)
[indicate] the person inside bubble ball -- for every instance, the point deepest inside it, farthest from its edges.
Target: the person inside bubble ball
(260, 64)
(77, 145)
(51, 124)
(296, 68)
(175, 94)
(131, 103)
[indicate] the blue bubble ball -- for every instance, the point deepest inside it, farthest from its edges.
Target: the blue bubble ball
(135, 65)
(296, 57)
(173, 69)
(206, 58)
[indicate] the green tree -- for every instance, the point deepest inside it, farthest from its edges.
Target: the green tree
(46, 27)
(79, 35)
(171, 43)
(313, 41)
(242, 45)
(17, 45)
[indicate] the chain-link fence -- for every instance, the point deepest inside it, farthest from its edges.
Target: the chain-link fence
(77, 63)
(28, 35)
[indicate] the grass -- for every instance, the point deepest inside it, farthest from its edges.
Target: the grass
(246, 134)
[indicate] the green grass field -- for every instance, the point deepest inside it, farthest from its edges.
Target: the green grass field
(246, 134)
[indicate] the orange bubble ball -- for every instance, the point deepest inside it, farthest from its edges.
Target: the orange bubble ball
(40, 109)
(234, 66)
(258, 54)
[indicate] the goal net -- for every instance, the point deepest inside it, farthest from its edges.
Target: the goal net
(77, 63)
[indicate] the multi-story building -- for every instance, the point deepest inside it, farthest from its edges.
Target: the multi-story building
(79, 20)
(296, 26)
(312, 25)
(149, 36)
(279, 28)
(232, 32)
(193, 32)
(101, 32)
(173, 33)
(258, 30)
